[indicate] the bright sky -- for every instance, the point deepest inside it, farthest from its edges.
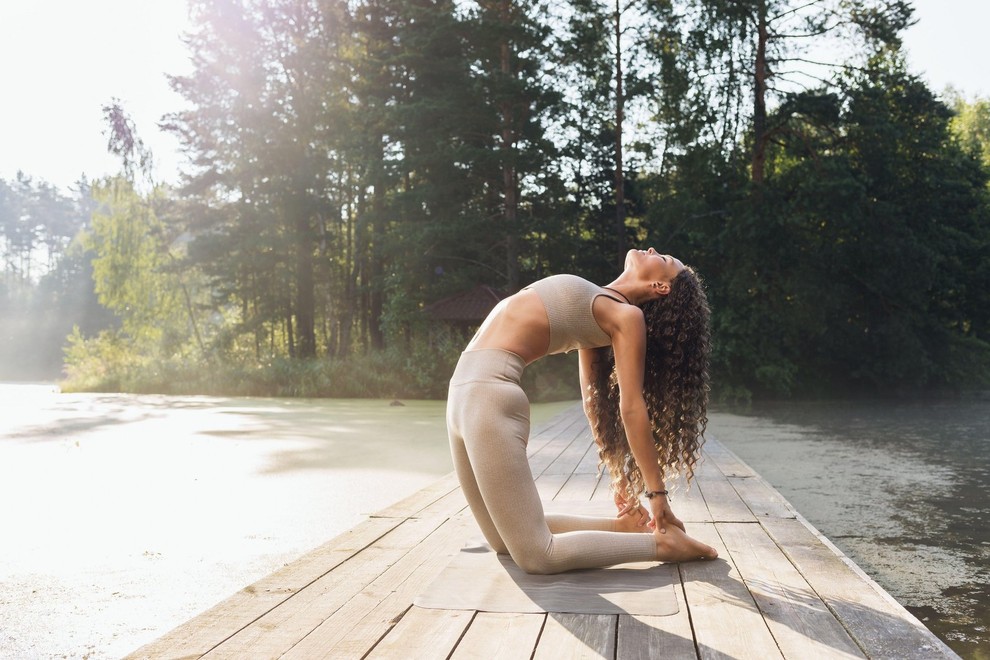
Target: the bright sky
(62, 60)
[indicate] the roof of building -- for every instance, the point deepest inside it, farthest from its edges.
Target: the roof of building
(466, 306)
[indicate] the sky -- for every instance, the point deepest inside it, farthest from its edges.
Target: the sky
(63, 60)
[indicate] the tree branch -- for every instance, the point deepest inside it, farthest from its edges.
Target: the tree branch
(793, 11)
(851, 67)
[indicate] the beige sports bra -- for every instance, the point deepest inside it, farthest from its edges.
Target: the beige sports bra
(568, 300)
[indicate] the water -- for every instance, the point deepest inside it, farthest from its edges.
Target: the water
(125, 516)
(902, 489)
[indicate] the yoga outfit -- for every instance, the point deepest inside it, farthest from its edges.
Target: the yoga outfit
(488, 426)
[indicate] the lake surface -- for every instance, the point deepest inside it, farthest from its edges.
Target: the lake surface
(124, 516)
(902, 489)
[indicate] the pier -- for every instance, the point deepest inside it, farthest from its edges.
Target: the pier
(779, 589)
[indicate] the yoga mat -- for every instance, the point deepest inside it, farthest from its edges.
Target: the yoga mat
(479, 579)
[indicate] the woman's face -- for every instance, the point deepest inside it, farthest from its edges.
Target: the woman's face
(652, 266)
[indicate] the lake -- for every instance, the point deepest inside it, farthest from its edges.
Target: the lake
(125, 516)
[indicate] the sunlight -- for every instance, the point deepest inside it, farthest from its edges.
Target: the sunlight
(68, 59)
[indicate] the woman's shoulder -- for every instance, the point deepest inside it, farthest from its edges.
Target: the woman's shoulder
(623, 318)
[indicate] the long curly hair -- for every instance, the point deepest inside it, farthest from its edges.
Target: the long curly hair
(675, 385)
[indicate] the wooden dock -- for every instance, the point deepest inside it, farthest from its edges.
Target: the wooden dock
(779, 589)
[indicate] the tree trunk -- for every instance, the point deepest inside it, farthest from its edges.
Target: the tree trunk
(620, 178)
(305, 297)
(510, 192)
(290, 337)
(355, 242)
(760, 99)
(376, 296)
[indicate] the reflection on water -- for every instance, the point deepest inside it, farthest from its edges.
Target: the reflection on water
(900, 488)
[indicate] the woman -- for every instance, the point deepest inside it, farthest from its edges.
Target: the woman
(653, 381)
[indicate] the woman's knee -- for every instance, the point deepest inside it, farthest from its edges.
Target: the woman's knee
(536, 563)
(497, 544)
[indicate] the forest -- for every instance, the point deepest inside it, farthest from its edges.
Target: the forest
(350, 162)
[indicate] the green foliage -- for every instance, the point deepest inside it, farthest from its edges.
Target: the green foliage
(355, 161)
(130, 264)
(135, 277)
(851, 268)
(971, 124)
(45, 282)
(107, 363)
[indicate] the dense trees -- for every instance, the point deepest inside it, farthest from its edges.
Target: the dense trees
(45, 281)
(848, 265)
(353, 161)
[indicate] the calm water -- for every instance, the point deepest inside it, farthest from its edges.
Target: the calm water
(124, 516)
(900, 488)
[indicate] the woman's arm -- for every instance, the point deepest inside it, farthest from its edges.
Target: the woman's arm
(589, 361)
(629, 345)
(588, 374)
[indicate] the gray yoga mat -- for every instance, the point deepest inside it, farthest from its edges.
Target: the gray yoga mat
(479, 579)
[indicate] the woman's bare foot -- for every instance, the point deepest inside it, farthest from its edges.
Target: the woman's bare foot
(676, 546)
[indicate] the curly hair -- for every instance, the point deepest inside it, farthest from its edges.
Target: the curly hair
(675, 385)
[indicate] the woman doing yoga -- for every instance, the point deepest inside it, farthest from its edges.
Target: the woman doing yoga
(643, 344)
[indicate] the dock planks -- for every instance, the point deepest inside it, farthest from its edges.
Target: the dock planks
(779, 590)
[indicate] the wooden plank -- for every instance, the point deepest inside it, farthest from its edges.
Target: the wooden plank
(579, 487)
(603, 493)
(567, 461)
(728, 463)
(540, 459)
(565, 431)
(205, 631)
(423, 634)
(421, 499)
(689, 505)
(500, 636)
(800, 622)
(761, 498)
(650, 637)
(726, 621)
(577, 637)
(757, 494)
(590, 463)
(449, 505)
(721, 499)
(359, 624)
(553, 427)
(281, 628)
(878, 623)
(549, 485)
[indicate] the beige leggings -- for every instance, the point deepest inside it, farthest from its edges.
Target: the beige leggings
(488, 425)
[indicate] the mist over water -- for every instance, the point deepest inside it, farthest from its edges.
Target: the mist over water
(900, 488)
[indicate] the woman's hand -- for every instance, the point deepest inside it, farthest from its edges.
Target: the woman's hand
(663, 516)
(626, 505)
(637, 513)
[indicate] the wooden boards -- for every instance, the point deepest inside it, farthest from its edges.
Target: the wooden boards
(778, 590)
